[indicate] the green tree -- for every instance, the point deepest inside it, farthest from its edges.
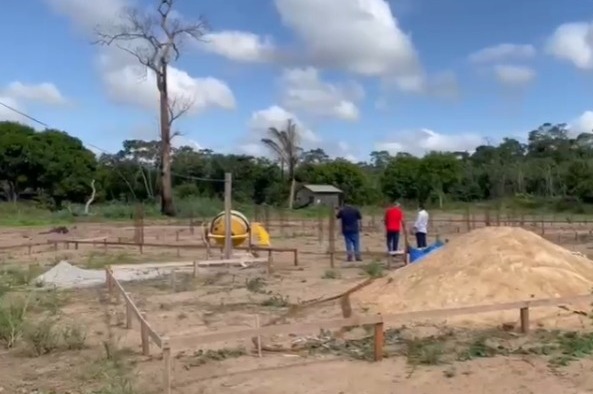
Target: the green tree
(68, 167)
(285, 145)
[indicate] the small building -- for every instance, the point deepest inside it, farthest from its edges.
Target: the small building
(308, 195)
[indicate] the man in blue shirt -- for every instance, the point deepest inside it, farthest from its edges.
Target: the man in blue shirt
(351, 218)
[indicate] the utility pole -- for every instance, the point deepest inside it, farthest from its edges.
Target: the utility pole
(228, 233)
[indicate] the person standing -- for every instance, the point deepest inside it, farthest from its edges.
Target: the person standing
(394, 218)
(421, 227)
(350, 219)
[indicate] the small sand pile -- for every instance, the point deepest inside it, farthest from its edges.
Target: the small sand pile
(486, 266)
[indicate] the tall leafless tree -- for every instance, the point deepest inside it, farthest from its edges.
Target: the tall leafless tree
(154, 38)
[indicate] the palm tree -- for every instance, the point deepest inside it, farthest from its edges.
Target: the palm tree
(284, 144)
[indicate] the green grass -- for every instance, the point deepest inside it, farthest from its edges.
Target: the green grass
(31, 214)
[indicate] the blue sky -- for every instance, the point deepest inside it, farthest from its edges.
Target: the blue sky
(356, 75)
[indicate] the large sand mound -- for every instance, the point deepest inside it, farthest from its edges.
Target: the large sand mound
(486, 266)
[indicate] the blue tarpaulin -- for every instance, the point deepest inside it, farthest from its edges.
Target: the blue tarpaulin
(417, 254)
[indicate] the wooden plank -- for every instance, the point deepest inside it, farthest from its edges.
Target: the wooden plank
(191, 340)
(470, 310)
(134, 309)
(90, 239)
(161, 245)
(237, 261)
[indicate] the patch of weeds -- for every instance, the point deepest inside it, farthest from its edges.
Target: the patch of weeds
(374, 269)
(255, 285)
(202, 357)
(113, 371)
(331, 274)
(46, 336)
(50, 301)
(480, 348)
(425, 351)
(74, 337)
(277, 301)
(13, 311)
(97, 260)
(572, 346)
(16, 276)
(43, 337)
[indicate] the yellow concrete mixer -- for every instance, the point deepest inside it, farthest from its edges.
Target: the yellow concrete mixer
(243, 232)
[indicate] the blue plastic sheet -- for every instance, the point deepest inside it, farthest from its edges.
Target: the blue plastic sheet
(418, 254)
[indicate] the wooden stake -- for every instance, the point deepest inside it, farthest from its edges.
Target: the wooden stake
(228, 233)
(524, 320)
(379, 341)
(129, 312)
(144, 336)
(257, 325)
(166, 366)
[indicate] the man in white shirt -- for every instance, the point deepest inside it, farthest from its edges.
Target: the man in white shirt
(421, 227)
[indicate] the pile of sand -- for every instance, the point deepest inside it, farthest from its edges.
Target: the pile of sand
(485, 266)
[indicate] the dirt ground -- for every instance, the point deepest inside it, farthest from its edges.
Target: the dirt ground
(110, 360)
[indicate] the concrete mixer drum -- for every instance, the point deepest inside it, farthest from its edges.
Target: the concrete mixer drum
(242, 231)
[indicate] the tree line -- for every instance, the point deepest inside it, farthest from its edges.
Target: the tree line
(53, 167)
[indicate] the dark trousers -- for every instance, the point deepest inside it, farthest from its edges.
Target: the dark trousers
(352, 241)
(392, 240)
(421, 240)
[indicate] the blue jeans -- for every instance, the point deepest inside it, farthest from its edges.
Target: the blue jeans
(392, 240)
(352, 241)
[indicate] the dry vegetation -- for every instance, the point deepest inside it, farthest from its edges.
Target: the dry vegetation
(75, 341)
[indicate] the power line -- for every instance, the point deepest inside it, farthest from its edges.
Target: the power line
(24, 114)
(189, 177)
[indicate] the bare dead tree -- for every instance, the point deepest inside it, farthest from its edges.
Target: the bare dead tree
(154, 39)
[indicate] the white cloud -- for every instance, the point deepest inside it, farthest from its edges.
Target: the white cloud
(273, 116)
(513, 75)
(304, 91)
(239, 46)
(422, 141)
(17, 95)
(182, 140)
(127, 85)
(6, 114)
(361, 37)
(46, 93)
(582, 124)
(503, 52)
(276, 116)
(124, 79)
(573, 42)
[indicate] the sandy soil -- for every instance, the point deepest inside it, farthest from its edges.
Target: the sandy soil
(221, 300)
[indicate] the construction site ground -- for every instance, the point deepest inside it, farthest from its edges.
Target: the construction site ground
(424, 359)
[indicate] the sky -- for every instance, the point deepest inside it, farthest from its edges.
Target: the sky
(355, 75)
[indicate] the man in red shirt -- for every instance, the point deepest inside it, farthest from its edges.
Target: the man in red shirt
(394, 219)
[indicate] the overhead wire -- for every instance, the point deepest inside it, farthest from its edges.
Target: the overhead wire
(188, 177)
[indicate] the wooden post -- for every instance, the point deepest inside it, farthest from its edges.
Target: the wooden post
(295, 257)
(332, 236)
(270, 262)
(129, 312)
(257, 325)
(379, 341)
(195, 273)
(144, 335)
(109, 282)
(173, 281)
(166, 365)
(524, 320)
(228, 242)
